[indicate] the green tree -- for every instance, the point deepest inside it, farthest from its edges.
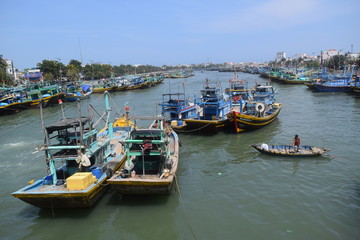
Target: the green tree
(336, 62)
(48, 77)
(53, 67)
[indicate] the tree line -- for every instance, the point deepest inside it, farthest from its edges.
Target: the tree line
(74, 71)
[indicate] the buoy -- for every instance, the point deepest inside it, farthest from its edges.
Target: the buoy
(60, 101)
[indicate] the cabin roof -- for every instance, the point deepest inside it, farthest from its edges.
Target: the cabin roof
(67, 123)
(150, 132)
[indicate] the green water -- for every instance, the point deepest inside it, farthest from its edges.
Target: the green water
(227, 189)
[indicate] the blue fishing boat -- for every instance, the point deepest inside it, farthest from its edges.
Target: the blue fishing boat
(356, 86)
(74, 93)
(79, 159)
(13, 101)
(257, 112)
(176, 108)
(212, 109)
(336, 84)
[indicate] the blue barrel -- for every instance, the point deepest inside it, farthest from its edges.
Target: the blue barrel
(96, 171)
(180, 123)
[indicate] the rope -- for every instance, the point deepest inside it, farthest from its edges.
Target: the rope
(194, 130)
(114, 103)
(183, 208)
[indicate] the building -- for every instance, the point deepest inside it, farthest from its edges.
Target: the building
(280, 56)
(10, 69)
(34, 75)
(326, 55)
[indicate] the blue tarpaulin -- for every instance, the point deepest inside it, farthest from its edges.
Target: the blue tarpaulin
(85, 88)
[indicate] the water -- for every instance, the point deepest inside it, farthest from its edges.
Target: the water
(227, 189)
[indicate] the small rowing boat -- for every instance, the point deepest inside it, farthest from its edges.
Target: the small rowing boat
(289, 151)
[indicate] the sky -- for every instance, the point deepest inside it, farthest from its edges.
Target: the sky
(172, 32)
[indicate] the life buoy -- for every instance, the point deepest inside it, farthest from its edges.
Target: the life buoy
(260, 107)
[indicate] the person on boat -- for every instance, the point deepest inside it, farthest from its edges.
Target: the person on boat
(296, 141)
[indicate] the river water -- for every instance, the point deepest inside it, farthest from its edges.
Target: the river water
(227, 190)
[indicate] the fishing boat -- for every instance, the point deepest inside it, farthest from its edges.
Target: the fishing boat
(79, 160)
(152, 156)
(45, 95)
(290, 151)
(336, 84)
(238, 91)
(255, 113)
(73, 93)
(13, 102)
(356, 86)
(296, 79)
(176, 108)
(212, 110)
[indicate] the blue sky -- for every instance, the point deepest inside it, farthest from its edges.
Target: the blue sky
(173, 32)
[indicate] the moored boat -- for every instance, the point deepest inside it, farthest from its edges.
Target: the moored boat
(176, 108)
(290, 151)
(212, 109)
(255, 113)
(79, 160)
(12, 103)
(152, 156)
(73, 93)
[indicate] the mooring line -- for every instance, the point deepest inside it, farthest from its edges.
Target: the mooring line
(183, 208)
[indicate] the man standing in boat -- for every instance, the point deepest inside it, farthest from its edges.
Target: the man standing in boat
(296, 142)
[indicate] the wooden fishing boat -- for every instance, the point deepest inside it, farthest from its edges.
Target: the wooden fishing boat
(72, 93)
(336, 84)
(152, 156)
(46, 96)
(290, 151)
(255, 113)
(212, 110)
(11, 103)
(86, 158)
(104, 88)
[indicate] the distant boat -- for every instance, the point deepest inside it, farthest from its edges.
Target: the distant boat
(86, 158)
(337, 84)
(45, 95)
(290, 151)
(13, 102)
(255, 113)
(356, 86)
(72, 93)
(152, 156)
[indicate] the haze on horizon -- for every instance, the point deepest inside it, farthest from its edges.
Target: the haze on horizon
(174, 32)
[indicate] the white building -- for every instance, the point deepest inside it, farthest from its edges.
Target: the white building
(279, 56)
(326, 55)
(10, 70)
(353, 55)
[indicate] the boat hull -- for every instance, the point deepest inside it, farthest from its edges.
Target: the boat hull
(143, 187)
(204, 126)
(148, 184)
(325, 88)
(14, 107)
(61, 199)
(47, 101)
(289, 151)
